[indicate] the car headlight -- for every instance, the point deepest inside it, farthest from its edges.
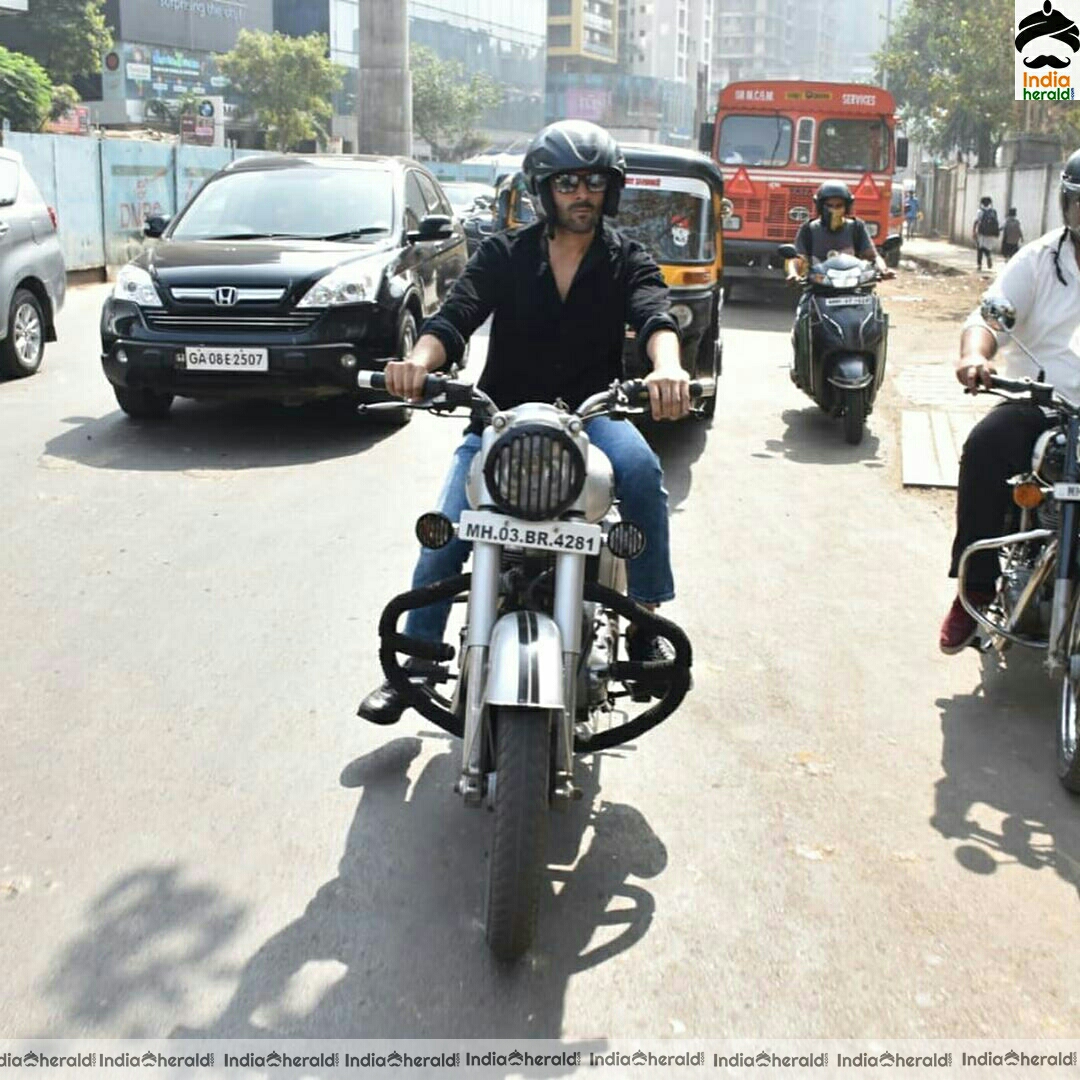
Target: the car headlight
(682, 315)
(135, 284)
(348, 284)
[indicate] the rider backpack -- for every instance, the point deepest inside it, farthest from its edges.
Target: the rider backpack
(988, 222)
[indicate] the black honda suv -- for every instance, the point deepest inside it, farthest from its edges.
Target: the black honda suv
(282, 278)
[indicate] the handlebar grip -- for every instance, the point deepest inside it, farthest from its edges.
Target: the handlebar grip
(637, 391)
(371, 380)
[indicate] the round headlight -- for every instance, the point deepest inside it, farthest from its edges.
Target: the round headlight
(535, 472)
(682, 315)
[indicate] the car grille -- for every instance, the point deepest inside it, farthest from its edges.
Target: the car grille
(201, 322)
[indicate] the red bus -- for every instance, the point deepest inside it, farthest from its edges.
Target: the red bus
(777, 140)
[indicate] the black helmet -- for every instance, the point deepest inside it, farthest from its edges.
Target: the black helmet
(833, 189)
(568, 146)
(1070, 194)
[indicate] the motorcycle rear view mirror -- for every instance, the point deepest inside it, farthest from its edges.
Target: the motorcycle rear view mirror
(787, 251)
(998, 313)
(890, 244)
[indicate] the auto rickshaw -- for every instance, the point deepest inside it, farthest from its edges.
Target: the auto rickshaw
(672, 204)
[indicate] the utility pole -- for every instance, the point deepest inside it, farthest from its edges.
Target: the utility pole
(888, 37)
(384, 100)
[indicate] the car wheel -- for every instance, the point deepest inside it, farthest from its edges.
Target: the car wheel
(143, 404)
(21, 351)
(406, 339)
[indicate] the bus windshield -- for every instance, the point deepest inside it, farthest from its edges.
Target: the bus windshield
(853, 145)
(755, 140)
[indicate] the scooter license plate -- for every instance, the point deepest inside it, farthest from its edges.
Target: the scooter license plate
(846, 301)
(558, 536)
(1067, 492)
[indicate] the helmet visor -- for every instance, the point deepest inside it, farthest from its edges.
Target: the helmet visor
(1070, 204)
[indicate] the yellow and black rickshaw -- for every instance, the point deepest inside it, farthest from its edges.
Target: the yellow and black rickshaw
(672, 205)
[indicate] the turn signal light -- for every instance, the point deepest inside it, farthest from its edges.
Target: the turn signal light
(1027, 496)
(434, 530)
(625, 540)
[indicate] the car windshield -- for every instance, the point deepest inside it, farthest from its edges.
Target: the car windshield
(755, 140)
(463, 196)
(301, 201)
(671, 216)
(853, 145)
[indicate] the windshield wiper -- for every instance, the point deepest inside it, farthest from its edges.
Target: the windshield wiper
(256, 236)
(350, 234)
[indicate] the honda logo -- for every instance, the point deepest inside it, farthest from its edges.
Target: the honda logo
(225, 296)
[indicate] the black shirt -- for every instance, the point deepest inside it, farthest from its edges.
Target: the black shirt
(543, 347)
(815, 241)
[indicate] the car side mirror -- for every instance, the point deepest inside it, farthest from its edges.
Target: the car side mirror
(433, 227)
(155, 226)
(787, 251)
(901, 153)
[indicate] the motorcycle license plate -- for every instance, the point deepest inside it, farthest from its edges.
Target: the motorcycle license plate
(846, 301)
(557, 536)
(1067, 492)
(222, 359)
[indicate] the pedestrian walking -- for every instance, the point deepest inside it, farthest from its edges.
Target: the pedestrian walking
(985, 229)
(1012, 235)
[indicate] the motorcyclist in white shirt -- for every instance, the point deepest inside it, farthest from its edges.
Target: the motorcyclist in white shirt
(1042, 282)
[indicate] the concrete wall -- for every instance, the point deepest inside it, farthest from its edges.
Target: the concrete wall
(103, 190)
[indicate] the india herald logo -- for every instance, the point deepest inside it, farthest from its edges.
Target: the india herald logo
(225, 296)
(1056, 28)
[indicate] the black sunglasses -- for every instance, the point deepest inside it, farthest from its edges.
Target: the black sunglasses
(567, 183)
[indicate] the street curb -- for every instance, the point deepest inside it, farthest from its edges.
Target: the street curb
(934, 265)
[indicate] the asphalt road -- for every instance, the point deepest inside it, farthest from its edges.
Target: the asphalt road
(842, 833)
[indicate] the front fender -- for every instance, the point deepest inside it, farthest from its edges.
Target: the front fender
(525, 662)
(851, 373)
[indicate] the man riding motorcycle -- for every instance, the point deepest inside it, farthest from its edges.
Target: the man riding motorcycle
(1042, 282)
(561, 291)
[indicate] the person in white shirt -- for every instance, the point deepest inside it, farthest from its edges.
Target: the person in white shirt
(1042, 282)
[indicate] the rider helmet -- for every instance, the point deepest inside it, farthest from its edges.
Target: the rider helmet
(1070, 195)
(833, 189)
(571, 146)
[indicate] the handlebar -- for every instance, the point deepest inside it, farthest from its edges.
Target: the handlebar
(1040, 393)
(631, 393)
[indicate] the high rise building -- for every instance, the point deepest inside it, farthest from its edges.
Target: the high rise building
(753, 39)
(582, 33)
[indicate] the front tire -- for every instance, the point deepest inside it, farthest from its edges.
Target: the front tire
(519, 836)
(143, 404)
(1068, 734)
(21, 351)
(854, 416)
(405, 341)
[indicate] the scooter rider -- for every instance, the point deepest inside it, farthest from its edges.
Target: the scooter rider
(562, 291)
(831, 232)
(1042, 282)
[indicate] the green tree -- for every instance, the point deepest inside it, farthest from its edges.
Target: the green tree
(285, 82)
(952, 74)
(67, 37)
(64, 97)
(446, 105)
(25, 91)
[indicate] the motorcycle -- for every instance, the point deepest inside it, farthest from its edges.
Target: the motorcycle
(540, 677)
(840, 338)
(1036, 601)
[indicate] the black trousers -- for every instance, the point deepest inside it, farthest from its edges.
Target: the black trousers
(998, 447)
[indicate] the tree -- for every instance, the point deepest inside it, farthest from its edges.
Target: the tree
(25, 91)
(286, 82)
(64, 98)
(952, 74)
(446, 105)
(67, 37)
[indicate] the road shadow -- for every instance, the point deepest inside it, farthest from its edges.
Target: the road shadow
(753, 308)
(998, 751)
(397, 937)
(678, 446)
(814, 438)
(150, 934)
(225, 435)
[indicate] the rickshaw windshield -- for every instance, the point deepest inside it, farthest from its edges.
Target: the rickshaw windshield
(672, 216)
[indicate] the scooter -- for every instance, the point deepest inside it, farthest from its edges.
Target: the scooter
(840, 338)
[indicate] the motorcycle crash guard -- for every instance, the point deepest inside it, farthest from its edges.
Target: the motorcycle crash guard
(851, 373)
(525, 662)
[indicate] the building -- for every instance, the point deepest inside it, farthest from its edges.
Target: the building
(582, 32)
(166, 50)
(507, 42)
(753, 39)
(816, 54)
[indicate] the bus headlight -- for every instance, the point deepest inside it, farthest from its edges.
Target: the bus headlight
(871, 228)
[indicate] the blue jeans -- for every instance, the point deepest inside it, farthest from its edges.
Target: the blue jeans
(639, 487)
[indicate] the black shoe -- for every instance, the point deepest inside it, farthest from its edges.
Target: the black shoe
(383, 706)
(641, 649)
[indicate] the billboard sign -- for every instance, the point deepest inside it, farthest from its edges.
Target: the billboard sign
(206, 25)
